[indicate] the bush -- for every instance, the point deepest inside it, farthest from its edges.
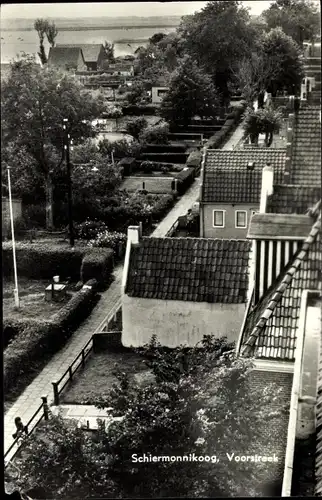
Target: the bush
(42, 260)
(135, 126)
(162, 206)
(165, 148)
(185, 179)
(157, 134)
(98, 264)
(89, 229)
(121, 148)
(165, 157)
(139, 110)
(111, 239)
(36, 339)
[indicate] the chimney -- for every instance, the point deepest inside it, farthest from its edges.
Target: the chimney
(267, 187)
(134, 234)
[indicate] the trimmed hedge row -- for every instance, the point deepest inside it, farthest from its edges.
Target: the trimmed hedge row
(164, 148)
(147, 167)
(36, 339)
(139, 110)
(97, 264)
(231, 121)
(165, 157)
(43, 261)
(185, 179)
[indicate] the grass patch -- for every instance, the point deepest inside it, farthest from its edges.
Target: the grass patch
(95, 381)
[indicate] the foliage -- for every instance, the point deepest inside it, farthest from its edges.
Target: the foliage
(98, 264)
(34, 102)
(191, 92)
(155, 134)
(36, 338)
(120, 148)
(136, 125)
(200, 400)
(40, 26)
(42, 260)
(218, 37)
(154, 166)
(298, 19)
(110, 239)
(263, 121)
(109, 51)
(156, 38)
(51, 33)
(89, 229)
(111, 111)
(283, 54)
(137, 93)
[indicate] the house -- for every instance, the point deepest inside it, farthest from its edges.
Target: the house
(67, 58)
(181, 289)
(231, 186)
(288, 263)
(158, 90)
(94, 54)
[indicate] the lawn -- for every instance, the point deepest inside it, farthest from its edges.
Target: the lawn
(99, 374)
(32, 300)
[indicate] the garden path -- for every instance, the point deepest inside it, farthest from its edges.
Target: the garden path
(29, 401)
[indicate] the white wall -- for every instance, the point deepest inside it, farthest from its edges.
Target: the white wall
(178, 322)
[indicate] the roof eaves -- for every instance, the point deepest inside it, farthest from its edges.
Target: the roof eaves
(250, 343)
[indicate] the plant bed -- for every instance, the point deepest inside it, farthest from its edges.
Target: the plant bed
(95, 381)
(37, 339)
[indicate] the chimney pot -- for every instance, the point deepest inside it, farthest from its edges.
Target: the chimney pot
(267, 186)
(133, 234)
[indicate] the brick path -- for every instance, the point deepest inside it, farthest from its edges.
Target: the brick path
(29, 401)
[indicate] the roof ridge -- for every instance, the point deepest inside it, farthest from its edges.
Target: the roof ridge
(276, 297)
(191, 238)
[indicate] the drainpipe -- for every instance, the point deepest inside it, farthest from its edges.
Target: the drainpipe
(294, 406)
(201, 204)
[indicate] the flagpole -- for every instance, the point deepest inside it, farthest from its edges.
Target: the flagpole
(16, 290)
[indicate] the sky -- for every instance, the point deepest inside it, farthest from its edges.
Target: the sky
(113, 9)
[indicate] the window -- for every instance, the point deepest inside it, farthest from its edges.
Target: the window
(241, 219)
(161, 92)
(219, 218)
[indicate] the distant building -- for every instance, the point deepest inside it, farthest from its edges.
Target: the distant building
(231, 186)
(159, 90)
(122, 68)
(181, 289)
(94, 54)
(67, 58)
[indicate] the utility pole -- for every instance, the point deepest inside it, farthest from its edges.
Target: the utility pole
(16, 290)
(69, 181)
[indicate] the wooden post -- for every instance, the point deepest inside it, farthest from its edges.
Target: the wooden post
(45, 407)
(56, 394)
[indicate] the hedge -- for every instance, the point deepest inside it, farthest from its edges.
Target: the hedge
(232, 120)
(98, 264)
(165, 148)
(162, 206)
(185, 179)
(139, 110)
(165, 157)
(35, 339)
(44, 260)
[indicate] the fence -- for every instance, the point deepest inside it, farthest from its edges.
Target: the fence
(80, 359)
(172, 229)
(17, 440)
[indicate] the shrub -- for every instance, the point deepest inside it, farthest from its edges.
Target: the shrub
(139, 110)
(156, 134)
(135, 126)
(111, 239)
(165, 157)
(42, 260)
(121, 148)
(185, 179)
(97, 264)
(162, 206)
(36, 339)
(194, 159)
(89, 229)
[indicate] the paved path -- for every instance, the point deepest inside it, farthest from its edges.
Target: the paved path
(29, 401)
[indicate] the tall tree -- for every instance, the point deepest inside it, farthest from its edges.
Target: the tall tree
(109, 51)
(34, 102)
(282, 53)
(41, 26)
(218, 37)
(191, 92)
(51, 33)
(263, 121)
(200, 401)
(299, 19)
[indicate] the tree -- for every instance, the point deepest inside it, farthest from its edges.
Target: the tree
(283, 54)
(191, 92)
(109, 51)
(137, 93)
(51, 33)
(156, 38)
(200, 401)
(121, 148)
(263, 121)
(299, 19)
(135, 126)
(41, 26)
(218, 37)
(34, 102)
(155, 134)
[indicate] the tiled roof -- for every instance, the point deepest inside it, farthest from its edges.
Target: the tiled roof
(306, 148)
(279, 226)
(290, 199)
(226, 178)
(64, 57)
(318, 456)
(90, 51)
(190, 269)
(271, 327)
